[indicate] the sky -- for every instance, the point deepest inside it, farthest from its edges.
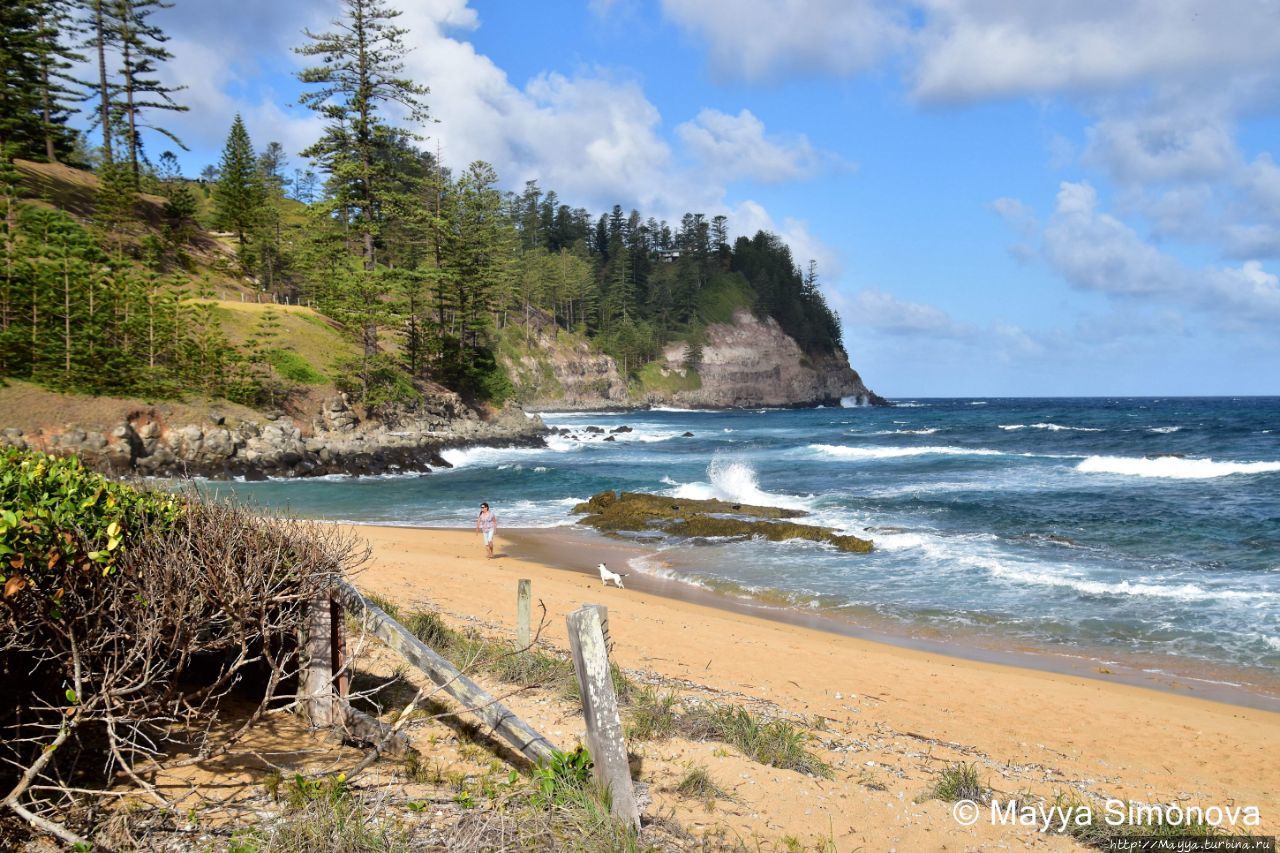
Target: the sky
(1003, 198)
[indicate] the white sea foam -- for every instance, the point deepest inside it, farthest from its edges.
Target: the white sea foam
(1051, 427)
(1164, 430)
(468, 457)
(928, 431)
(674, 409)
(735, 480)
(1179, 592)
(654, 566)
(898, 452)
(911, 404)
(1172, 467)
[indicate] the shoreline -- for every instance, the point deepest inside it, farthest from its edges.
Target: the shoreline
(544, 545)
(888, 718)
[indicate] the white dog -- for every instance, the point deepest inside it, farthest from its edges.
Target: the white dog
(606, 576)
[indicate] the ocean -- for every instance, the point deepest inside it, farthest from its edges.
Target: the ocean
(1144, 530)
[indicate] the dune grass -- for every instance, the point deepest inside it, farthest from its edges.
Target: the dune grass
(960, 782)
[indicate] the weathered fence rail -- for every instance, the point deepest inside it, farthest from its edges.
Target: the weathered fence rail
(453, 682)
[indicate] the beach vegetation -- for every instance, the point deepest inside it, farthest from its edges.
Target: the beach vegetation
(777, 742)
(697, 784)
(960, 781)
(652, 714)
(89, 562)
(655, 378)
(1095, 827)
(320, 815)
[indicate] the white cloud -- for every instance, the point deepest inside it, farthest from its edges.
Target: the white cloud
(1096, 251)
(978, 49)
(737, 147)
(1165, 146)
(962, 50)
(1261, 181)
(885, 313)
(1248, 293)
(789, 37)
(1016, 213)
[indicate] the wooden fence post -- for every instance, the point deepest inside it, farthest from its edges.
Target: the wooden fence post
(523, 595)
(315, 682)
(600, 709)
(338, 648)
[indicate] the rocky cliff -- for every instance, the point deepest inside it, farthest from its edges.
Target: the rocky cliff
(337, 441)
(554, 368)
(749, 362)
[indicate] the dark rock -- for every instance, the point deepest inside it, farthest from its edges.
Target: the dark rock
(621, 429)
(686, 435)
(594, 430)
(610, 438)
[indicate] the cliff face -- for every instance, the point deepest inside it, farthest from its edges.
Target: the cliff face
(749, 362)
(752, 362)
(552, 368)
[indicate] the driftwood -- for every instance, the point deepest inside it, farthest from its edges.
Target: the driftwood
(500, 719)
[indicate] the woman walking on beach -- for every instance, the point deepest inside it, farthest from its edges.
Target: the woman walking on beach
(487, 523)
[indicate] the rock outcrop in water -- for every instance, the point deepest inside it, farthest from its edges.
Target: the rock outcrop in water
(337, 441)
(747, 363)
(638, 512)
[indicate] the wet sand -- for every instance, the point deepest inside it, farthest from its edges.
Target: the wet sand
(580, 549)
(891, 716)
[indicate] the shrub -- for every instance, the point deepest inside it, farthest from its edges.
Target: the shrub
(112, 663)
(60, 520)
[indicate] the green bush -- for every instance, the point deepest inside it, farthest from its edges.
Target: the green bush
(56, 515)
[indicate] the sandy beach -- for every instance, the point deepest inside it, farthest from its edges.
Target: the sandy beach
(887, 718)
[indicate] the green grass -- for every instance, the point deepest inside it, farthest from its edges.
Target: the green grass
(960, 782)
(321, 814)
(308, 336)
(697, 784)
(653, 715)
(294, 368)
(650, 378)
(1090, 827)
(777, 743)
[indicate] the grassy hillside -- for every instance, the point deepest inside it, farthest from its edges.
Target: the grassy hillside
(301, 344)
(29, 407)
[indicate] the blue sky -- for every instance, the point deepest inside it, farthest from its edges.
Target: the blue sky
(1064, 197)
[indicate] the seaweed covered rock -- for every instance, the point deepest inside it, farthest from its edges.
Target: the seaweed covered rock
(637, 512)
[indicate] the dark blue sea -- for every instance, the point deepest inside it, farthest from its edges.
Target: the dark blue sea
(1147, 528)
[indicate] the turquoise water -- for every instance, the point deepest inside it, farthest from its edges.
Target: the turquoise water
(1147, 526)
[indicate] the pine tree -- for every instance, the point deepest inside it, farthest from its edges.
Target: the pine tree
(359, 75)
(58, 85)
(21, 47)
(141, 45)
(103, 36)
(238, 195)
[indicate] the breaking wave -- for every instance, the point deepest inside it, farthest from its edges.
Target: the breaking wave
(897, 452)
(1172, 467)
